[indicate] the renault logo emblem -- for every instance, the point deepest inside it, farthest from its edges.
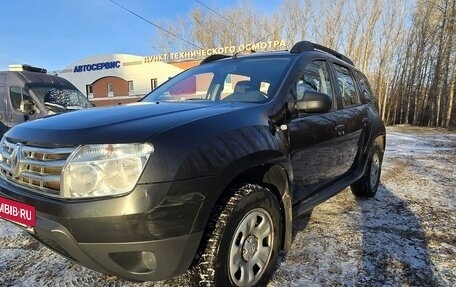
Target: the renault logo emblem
(17, 157)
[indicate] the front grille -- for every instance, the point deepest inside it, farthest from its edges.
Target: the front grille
(35, 168)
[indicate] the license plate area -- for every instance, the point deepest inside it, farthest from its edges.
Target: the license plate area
(17, 212)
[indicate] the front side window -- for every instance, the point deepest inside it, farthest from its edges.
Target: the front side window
(251, 80)
(19, 96)
(314, 77)
(346, 86)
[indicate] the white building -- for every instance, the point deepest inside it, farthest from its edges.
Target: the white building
(118, 78)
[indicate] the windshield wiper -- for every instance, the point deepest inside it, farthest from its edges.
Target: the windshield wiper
(55, 106)
(74, 108)
(194, 99)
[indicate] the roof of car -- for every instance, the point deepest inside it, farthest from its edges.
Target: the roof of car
(298, 49)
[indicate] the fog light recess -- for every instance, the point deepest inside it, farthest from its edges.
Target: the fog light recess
(136, 261)
(149, 260)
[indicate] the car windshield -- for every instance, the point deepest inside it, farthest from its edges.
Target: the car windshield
(232, 80)
(61, 99)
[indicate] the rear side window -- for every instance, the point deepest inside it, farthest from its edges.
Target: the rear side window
(347, 86)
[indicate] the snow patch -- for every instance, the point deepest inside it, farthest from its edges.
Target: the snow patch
(405, 236)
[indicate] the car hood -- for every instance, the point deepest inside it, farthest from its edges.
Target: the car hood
(118, 124)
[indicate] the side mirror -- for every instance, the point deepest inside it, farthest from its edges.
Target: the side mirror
(314, 102)
(27, 107)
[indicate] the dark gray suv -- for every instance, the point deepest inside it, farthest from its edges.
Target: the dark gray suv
(205, 174)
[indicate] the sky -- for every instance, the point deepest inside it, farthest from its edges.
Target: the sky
(55, 33)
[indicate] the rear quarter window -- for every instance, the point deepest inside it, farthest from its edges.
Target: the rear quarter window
(365, 88)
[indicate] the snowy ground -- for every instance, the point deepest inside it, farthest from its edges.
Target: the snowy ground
(405, 236)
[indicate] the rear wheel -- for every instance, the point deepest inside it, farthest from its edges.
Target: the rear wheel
(243, 246)
(367, 185)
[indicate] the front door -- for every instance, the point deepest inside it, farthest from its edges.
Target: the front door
(314, 139)
(17, 97)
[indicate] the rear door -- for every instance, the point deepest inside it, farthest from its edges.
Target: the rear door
(351, 117)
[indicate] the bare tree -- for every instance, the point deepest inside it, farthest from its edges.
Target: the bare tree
(407, 51)
(429, 68)
(334, 24)
(298, 16)
(204, 28)
(392, 21)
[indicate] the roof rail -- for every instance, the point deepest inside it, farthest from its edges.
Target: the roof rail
(304, 46)
(213, 58)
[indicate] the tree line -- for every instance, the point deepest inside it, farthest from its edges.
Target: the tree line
(406, 49)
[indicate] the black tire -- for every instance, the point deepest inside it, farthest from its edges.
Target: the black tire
(234, 245)
(367, 185)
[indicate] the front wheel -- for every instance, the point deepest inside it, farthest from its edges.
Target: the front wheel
(367, 185)
(244, 243)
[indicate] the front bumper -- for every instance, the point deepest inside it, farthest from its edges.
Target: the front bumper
(149, 234)
(137, 261)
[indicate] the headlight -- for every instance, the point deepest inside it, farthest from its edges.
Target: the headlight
(101, 170)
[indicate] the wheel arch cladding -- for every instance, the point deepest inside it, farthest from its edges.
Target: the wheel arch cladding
(206, 268)
(380, 140)
(272, 176)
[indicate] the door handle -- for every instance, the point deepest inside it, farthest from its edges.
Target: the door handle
(340, 129)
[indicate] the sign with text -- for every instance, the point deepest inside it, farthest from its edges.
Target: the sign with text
(203, 53)
(97, 67)
(17, 212)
